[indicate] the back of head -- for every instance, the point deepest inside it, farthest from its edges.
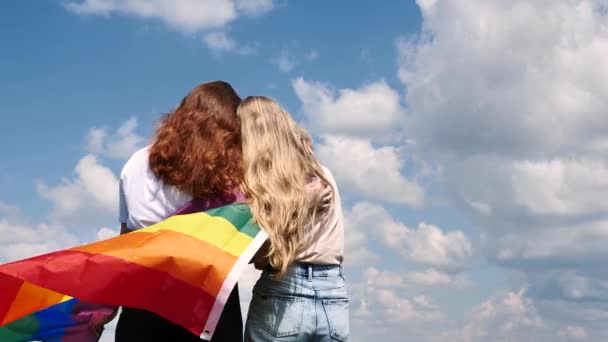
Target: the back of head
(277, 162)
(197, 147)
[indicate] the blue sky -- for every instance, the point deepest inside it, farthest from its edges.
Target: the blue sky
(468, 139)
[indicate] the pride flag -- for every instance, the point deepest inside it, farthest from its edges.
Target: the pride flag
(182, 268)
(66, 321)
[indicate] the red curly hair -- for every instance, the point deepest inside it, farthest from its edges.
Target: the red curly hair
(197, 147)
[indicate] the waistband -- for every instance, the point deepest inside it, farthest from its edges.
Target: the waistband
(314, 271)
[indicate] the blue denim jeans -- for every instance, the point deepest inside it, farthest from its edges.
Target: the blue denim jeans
(308, 304)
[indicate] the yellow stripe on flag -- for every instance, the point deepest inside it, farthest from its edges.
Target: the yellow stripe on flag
(212, 229)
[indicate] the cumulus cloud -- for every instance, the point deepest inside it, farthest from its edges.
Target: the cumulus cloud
(416, 279)
(254, 7)
(358, 129)
(433, 277)
(120, 144)
(368, 171)
(381, 306)
(510, 98)
(106, 233)
(569, 187)
(503, 318)
(426, 244)
(371, 111)
(20, 239)
(90, 195)
(357, 247)
(219, 41)
(377, 300)
(530, 88)
(573, 332)
(184, 15)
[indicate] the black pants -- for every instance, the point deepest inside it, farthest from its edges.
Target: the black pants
(136, 325)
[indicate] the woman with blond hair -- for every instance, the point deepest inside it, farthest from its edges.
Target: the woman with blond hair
(301, 294)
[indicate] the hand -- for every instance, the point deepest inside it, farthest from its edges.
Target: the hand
(327, 196)
(99, 320)
(319, 195)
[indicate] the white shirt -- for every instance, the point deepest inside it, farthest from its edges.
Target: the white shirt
(144, 199)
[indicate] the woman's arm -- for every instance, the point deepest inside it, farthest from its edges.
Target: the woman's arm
(123, 211)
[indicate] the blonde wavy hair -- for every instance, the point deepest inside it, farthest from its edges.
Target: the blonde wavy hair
(278, 162)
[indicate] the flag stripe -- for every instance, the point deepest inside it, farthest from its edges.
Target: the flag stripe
(212, 229)
(106, 278)
(238, 215)
(31, 298)
(189, 257)
(10, 288)
(54, 320)
(21, 330)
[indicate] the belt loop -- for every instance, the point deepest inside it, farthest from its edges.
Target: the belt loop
(309, 272)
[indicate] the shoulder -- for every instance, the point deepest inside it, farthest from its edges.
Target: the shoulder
(138, 161)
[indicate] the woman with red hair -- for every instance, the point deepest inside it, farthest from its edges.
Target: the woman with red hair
(195, 154)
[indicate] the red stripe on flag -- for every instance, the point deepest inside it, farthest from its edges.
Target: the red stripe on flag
(101, 279)
(8, 292)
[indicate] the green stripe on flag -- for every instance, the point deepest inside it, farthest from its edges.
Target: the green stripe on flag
(239, 216)
(20, 330)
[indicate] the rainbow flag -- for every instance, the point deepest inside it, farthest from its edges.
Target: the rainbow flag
(182, 268)
(67, 321)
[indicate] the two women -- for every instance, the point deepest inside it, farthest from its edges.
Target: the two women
(204, 150)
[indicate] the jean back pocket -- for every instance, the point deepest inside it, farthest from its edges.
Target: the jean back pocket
(279, 315)
(337, 317)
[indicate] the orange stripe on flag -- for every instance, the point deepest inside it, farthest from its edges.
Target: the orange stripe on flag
(31, 298)
(190, 258)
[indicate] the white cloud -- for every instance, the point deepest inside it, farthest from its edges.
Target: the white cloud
(510, 98)
(285, 62)
(561, 186)
(511, 316)
(20, 239)
(118, 145)
(106, 233)
(417, 279)
(254, 7)
(188, 16)
(432, 277)
(184, 15)
(573, 332)
(93, 186)
(367, 171)
(372, 111)
(219, 42)
(378, 302)
(357, 252)
(426, 244)
(530, 88)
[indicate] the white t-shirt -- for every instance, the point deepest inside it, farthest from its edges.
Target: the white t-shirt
(144, 199)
